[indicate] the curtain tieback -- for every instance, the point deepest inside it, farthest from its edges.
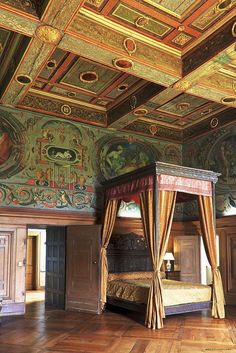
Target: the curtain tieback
(103, 251)
(156, 273)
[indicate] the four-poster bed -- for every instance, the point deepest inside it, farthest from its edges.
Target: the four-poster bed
(157, 186)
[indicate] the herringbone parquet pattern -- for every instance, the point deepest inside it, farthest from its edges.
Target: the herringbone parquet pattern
(53, 331)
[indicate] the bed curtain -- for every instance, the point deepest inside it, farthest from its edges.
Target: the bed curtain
(111, 209)
(208, 232)
(157, 246)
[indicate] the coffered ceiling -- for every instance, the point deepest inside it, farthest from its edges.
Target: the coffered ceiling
(160, 68)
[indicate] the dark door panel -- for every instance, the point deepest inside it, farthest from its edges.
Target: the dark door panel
(55, 267)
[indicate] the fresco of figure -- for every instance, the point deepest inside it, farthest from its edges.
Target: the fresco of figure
(5, 146)
(115, 160)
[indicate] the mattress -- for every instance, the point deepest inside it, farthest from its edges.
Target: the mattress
(174, 292)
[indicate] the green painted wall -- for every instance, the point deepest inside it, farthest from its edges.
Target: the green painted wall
(215, 151)
(52, 163)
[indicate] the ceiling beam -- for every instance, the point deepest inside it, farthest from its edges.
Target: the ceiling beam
(45, 37)
(117, 117)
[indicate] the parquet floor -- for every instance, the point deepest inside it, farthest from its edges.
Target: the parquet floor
(54, 331)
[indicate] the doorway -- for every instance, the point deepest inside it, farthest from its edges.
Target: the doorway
(35, 265)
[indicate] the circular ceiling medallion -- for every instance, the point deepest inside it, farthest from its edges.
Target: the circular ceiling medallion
(66, 109)
(71, 94)
(23, 79)
(228, 100)
(88, 77)
(140, 112)
(183, 106)
(141, 21)
(182, 85)
(181, 28)
(123, 87)
(48, 34)
(153, 129)
(207, 111)
(51, 64)
(123, 63)
(223, 5)
(214, 122)
(130, 45)
(234, 29)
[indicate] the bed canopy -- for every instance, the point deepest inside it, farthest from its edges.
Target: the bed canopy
(157, 186)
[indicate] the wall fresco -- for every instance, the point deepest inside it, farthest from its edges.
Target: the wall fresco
(50, 163)
(216, 152)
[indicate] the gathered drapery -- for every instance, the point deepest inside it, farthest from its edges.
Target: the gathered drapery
(157, 240)
(111, 209)
(209, 238)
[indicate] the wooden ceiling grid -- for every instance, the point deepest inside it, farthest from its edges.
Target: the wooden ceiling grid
(162, 69)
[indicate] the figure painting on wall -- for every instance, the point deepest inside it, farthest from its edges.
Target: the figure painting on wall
(222, 158)
(5, 146)
(119, 156)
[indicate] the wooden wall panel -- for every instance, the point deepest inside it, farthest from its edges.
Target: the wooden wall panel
(187, 257)
(13, 299)
(228, 263)
(5, 250)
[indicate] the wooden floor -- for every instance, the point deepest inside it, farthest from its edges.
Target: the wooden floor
(54, 331)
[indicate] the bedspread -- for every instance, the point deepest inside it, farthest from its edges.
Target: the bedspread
(174, 292)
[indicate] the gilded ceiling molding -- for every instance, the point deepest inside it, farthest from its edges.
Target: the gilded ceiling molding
(96, 3)
(58, 108)
(48, 34)
(38, 53)
(182, 85)
(17, 22)
(59, 13)
(100, 20)
(96, 51)
(155, 131)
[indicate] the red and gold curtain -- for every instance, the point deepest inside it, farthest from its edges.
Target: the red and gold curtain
(157, 240)
(209, 238)
(111, 209)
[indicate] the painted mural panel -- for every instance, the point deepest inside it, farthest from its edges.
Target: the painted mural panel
(118, 155)
(216, 152)
(52, 163)
(12, 141)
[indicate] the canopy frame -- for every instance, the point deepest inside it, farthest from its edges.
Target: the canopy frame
(159, 183)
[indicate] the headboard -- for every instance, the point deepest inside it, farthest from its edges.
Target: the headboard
(128, 253)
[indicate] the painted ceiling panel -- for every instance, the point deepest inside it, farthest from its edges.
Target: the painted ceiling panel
(103, 76)
(182, 105)
(137, 19)
(176, 8)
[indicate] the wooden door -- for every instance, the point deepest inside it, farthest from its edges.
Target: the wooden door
(228, 263)
(187, 257)
(55, 267)
(31, 262)
(83, 268)
(12, 270)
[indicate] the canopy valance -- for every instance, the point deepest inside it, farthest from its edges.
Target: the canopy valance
(164, 182)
